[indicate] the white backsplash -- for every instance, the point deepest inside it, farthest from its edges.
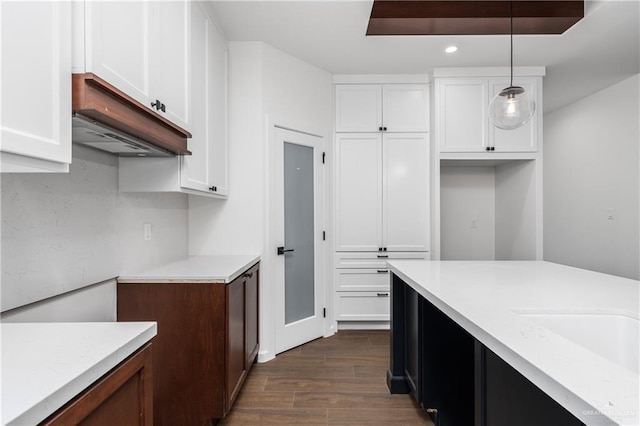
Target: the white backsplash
(63, 232)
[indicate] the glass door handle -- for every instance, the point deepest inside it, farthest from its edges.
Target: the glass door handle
(282, 251)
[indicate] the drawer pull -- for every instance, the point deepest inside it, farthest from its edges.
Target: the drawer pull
(383, 256)
(383, 294)
(383, 271)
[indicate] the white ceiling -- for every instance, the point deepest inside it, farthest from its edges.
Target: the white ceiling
(601, 49)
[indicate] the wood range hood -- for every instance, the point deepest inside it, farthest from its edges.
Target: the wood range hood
(106, 118)
(473, 17)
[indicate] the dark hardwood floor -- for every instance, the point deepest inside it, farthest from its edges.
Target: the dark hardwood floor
(339, 380)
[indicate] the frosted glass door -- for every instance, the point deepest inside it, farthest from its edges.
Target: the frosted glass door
(298, 232)
(297, 225)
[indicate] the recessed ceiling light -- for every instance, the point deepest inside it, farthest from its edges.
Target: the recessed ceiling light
(451, 49)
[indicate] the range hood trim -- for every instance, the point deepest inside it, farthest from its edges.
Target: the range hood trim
(94, 98)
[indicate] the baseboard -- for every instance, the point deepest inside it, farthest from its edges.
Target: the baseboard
(363, 325)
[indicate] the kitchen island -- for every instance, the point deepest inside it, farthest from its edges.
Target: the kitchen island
(46, 365)
(487, 330)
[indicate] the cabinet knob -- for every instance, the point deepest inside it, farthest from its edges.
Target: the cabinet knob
(493, 148)
(384, 249)
(384, 129)
(213, 188)
(248, 275)
(487, 149)
(380, 128)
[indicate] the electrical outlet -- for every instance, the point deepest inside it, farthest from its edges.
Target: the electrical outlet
(147, 231)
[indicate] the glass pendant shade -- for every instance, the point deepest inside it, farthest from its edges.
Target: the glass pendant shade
(511, 108)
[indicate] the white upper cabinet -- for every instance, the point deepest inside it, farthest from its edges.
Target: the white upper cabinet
(376, 108)
(35, 120)
(463, 123)
(358, 108)
(195, 168)
(461, 114)
(171, 72)
(525, 138)
(382, 190)
(140, 47)
(206, 169)
(118, 44)
(405, 108)
(204, 172)
(217, 107)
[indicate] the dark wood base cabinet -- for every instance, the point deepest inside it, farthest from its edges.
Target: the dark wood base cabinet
(456, 378)
(206, 344)
(122, 397)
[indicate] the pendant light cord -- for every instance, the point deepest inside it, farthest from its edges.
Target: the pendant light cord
(511, 20)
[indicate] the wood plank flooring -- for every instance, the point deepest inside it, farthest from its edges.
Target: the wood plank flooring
(340, 380)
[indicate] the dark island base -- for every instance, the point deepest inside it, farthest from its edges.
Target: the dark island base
(453, 376)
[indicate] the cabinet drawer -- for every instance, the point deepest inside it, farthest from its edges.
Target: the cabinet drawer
(362, 280)
(375, 260)
(363, 306)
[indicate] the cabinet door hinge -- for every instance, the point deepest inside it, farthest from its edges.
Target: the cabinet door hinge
(323, 155)
(324, 312)
(324, 235)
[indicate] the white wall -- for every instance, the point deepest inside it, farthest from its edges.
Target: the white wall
(467, 194)
(62, 232)
(591, 165)
(516, 212)
(267, 87)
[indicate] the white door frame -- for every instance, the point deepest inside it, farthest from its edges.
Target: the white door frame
(299, 332)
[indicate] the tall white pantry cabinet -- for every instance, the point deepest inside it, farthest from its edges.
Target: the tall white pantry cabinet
(382, 192)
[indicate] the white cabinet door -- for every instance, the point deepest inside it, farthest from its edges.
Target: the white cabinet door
(461, 114)
(206, 169)
(358, 108)
(195, 168)
(36, 86)
(522, 139)
(171, 60)
(118, 46)
(143, 49)
(389, 108)
(405, 107)
(217, 65)
(406, 192)
(358, 192)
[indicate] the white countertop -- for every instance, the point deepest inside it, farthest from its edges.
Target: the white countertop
(211, 269)
(45, 365)
(484, 297)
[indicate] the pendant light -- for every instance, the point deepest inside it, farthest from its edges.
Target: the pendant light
(512, 107)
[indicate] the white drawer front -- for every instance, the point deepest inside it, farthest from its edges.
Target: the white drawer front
(377, 260)
(363, 306)
(362, 279)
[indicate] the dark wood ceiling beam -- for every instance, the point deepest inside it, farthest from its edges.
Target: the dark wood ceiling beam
(453, 17)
